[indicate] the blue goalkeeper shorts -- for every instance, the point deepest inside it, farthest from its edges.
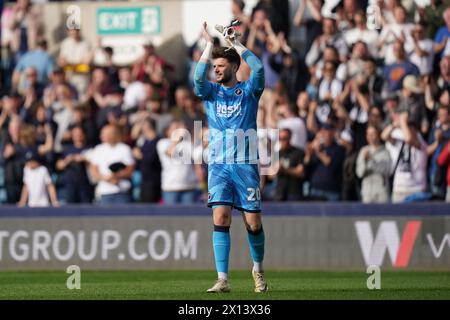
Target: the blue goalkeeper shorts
(235, 185)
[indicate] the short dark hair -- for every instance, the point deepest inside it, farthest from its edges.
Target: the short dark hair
(289, 131)
(227, 53)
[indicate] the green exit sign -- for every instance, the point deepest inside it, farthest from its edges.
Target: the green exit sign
(133, 20)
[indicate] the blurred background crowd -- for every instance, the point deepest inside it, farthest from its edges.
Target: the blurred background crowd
(362, 105)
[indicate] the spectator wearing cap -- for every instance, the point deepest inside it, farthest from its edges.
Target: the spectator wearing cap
(408, 152)
(38, 189)
(75, 55)
(324, 159)
(412, 101)
(111, 165)
(38, 59)
(373, 166)
(395, 72)
(73, 165)
(289, 178)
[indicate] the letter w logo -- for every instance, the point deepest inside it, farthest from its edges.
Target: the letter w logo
(387, 238)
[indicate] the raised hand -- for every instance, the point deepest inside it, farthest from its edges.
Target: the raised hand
(206, 34)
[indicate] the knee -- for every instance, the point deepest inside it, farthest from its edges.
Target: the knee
(254, 227)
(222, 220)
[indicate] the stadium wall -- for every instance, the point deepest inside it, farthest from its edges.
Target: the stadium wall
(299, 236)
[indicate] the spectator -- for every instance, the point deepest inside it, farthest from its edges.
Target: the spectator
(392, 33)
(330, 37)
(373, 166)
(408, 152)
(38, 59)
(324, 159)
(26, 25)
(312, 23)
(292, 70)
(289, 178)
(20, 139)
(329, 89)
(432, 15)
(411, 101)
(438, 138)
(442, 35)
(395, 73)
(62, 110)
(361, 33)
(444, 161)
(73, 164)
(423, 53)
(147, 154)
(287, 118)
(179, 183)
(37, 184)
(75, 56)
(111, 165)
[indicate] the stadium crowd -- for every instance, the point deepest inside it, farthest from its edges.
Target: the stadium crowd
(363, 108)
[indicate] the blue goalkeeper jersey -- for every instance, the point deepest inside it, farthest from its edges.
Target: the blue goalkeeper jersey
(231, 113)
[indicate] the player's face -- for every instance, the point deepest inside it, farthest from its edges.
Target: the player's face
(223, 70)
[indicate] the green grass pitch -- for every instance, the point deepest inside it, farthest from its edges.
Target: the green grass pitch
(182, 285)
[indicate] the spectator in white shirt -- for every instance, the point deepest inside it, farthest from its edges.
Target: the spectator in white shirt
(178, 180)
(423, 54)
(399, 30)
(408, 152)
(37, 184)
(361, 33)
(112, 165)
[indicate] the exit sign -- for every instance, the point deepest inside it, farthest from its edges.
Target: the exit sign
(124, 20)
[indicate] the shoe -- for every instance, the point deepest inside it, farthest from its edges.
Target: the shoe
(220, 286)
(260, 282)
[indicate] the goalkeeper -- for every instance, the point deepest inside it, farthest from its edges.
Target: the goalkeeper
(231, 107)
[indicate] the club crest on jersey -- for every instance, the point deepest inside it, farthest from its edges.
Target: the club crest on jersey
(238, 92)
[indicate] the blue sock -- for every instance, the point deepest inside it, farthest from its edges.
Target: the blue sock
(221, 244)
(256, 244)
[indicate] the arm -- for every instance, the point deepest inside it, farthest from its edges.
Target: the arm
(23, 197)
(48, 145)
(52, 193)
(125, 173)
(438, 47)
(444, 156)
(296, 171)
(410, 138)
(299, 14)
(201, 83)
(61, 164)
(361, 164)
(256, 79)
